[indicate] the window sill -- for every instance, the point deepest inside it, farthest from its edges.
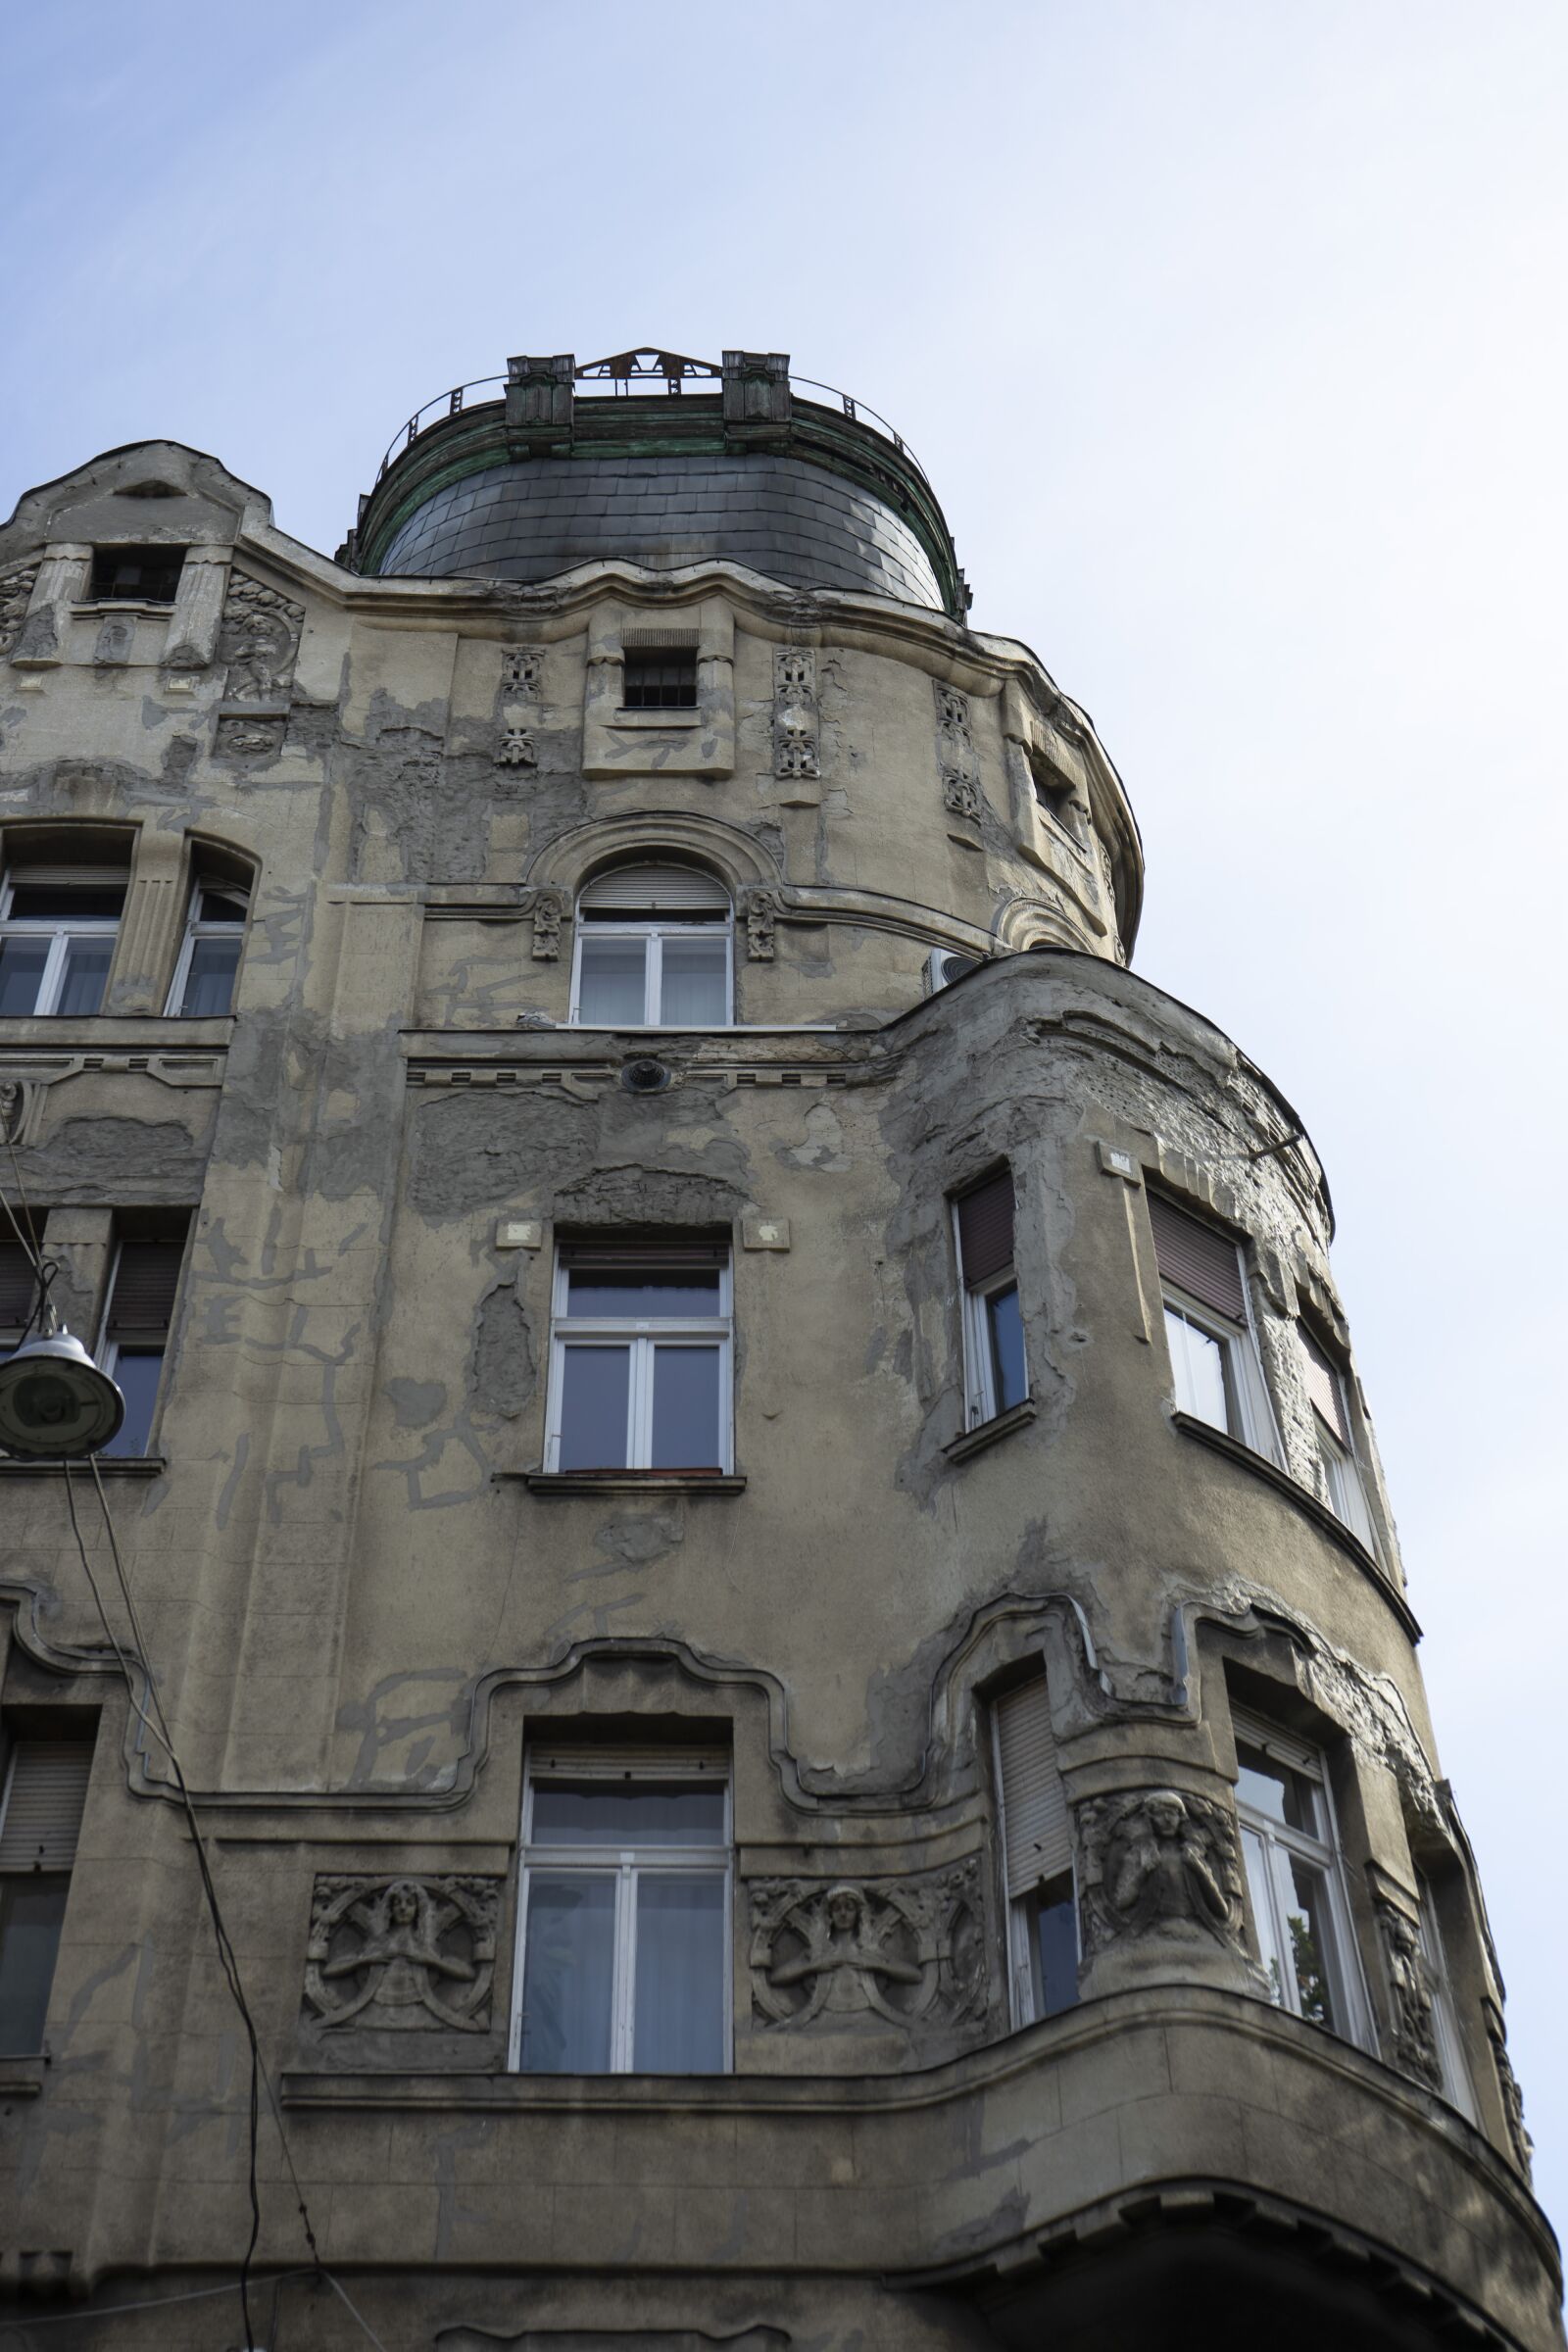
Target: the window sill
(1309, 1506)
(626, 1482)
(21, 2078)
(1000, 1425)
(685, 714)
(112, 1465)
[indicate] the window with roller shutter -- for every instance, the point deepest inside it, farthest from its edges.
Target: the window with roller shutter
(1037, 1855)
(996, 1370)
(139, 1312)
(44, 1792)
(1218, 1378)
(1342, 1472)
(18, 1289)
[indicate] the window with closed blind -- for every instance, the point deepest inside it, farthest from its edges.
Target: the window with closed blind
(1037, 1855)
(654, 949)
(41, 1801)
(996, 1372)
(1331, 1420)
(136, 1331)
(1208, 1326)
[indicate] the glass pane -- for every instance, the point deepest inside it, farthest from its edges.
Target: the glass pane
(210, 981)
(1198, 1363)
(59, 902)
(612, 994)
(1006, 1325)
(31, 1910)
(81, 989)
(679, 2020)
(595, 1384)
(639, 1293)
(220, 906)
(1254, 1854)
(694, 991)
(686, 1408)
(1274, 1790)
(1055, 1948)
(629, 1813)
(568, 1975)
(21, 962)
(137, 1372)
(1311, 1935)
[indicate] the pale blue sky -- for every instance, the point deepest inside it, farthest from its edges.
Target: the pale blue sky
(1233, 338)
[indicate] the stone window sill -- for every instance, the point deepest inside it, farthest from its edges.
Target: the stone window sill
(628, 1481)
(21, 2078)
(112, 1465)
(1000, 1425)
(1310, 1506)
(686, 715)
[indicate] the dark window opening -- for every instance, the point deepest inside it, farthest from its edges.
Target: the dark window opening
(664, 678)
(147, 575)
(142, 1308)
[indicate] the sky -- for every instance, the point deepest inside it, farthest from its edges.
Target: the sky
(1233, 339)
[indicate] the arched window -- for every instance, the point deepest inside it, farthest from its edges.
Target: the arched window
(654, 949)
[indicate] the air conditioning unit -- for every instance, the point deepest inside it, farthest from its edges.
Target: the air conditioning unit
(942, 968)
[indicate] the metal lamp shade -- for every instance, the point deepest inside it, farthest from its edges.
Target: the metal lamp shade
(55, 1401)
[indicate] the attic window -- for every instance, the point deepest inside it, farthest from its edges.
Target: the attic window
(659, 677)
(144, 575)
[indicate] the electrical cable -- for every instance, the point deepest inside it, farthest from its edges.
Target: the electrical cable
(200, 2294)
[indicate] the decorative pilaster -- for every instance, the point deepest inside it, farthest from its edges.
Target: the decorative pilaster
(198, 614)
(60, 581)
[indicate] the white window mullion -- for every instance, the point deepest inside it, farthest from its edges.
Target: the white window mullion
(54, 973)
(640, 1405)
(654, 980)
(623, 2041)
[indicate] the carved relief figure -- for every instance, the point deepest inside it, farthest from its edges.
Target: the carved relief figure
(517, 749)
(761, 912)
(899, 1954)
(521, 667)
(1513, 2102)
(1413, 2032)
(1159, 1862)
(549, 913)
(259, 640)
(16, 593)
(956, 754)
(411, 1953)
(795, 713)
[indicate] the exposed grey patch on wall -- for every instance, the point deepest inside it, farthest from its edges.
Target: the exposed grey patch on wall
(632, 1195)
(638, 1542)
(414, 1402)
(384, 1727)
(502, 1374)
(91, 1160)
(355, 1151)
(467, 1150)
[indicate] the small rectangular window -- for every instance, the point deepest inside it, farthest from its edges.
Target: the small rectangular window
(624, 1944)
(658, 678)
(209, 957)
(1342, 1472)
(58, 927)
(147, 575)
(1295, 1879)
(1209, 1329)
(1037, 1856)
(640, 1370)
(44, 1792)
(139, 1310)
(997, 1371)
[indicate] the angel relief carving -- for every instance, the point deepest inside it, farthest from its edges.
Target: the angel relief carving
(403, 1954)
(1159, 1862)
(896, 1952)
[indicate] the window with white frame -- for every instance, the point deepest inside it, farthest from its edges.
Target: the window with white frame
(42, 1794)
(1444, 2023)
(640, 1357)
(58, 925)
(1208, 1326)
(655, 950)
(1296, 1879)
(135, 1338)
(996, 1373)
(1342, 1473)
(209, 956)
(1037, 1856)
(624, 1947)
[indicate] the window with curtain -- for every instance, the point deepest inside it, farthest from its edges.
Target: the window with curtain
(1035, 1855)
(1342, 1472)
(640, 1357)
(654, 951)
(209, 956)
(1208, 1328)
(1296, 1879)
(139, 1310)
(996, 1373)
(58, 926)
(624, 1952)
(41, 1801)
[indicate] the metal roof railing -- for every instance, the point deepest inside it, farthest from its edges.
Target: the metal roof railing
(624, 375)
